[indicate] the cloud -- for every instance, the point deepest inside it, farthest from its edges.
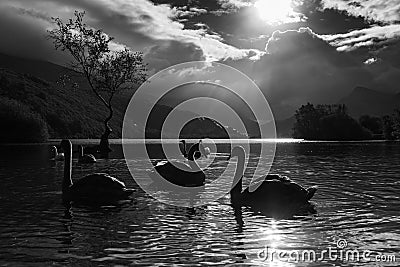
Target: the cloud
(375, 36)
(234, 4)
(230, 6)
(276, 36)
(32, 13)
(301, 67)
(164, 55)
(370, 61)
(190, 12)
(380, 25)
(138, 24)
(375, 10)
(23, 34)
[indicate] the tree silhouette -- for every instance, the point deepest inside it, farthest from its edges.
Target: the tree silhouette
(107, 72)
(327, 122)
(388, 127)
(396, 124)
(374, 124)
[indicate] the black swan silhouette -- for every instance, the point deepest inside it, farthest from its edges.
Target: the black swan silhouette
(179, 173)
(197, 149)
(93, 188)
(274, 192)
(182, 147)
(85, 158)
(55, 155)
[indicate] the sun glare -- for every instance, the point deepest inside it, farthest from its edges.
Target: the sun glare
(276, 11)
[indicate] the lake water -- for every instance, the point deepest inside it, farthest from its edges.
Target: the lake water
(358, 202)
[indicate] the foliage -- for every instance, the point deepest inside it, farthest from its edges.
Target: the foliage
(374, 124)
(20, 123)
(391, 126)
(396, 124)
(327, 122)
(107, 72)
(68, 113)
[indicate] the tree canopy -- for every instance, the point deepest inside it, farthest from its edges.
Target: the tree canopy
(327, 122)
(107, 71)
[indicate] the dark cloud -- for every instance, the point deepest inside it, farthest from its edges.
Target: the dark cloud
(165, 55)
(301, 68)
(328, 21)
(373, 10)
(22, 35)
(386, 69)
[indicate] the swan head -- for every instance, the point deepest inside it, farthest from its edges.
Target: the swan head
(205, 151)
(237, 151)
(66, 145)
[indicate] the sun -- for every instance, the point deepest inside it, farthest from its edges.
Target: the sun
(276, 11)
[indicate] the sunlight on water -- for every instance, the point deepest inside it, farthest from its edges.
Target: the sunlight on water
(357, 200)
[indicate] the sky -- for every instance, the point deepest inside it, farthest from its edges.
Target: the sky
(296, 51)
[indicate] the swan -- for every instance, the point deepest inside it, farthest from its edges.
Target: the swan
(182, 147)
(91, 149)
(93, 188)
(180, 173)
(56, 156)
(275, 191)
(198, 150)
(85, 158)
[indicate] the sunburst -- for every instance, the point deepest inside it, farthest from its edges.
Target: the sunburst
(277, 11)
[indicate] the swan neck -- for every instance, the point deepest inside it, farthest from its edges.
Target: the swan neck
(239, 172)
(193, 165)
(54, 152)
(81, 151)
(184, 151)
(67, 181)
(193, 149)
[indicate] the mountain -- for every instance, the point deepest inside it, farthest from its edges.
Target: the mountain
(365, 101)
(284, 128)
(76, 112)
(42, 69)
(67, 112)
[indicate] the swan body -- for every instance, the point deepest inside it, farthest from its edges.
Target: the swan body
(274, 191)
(181, 174)
(91, 149)
(56, 156)
(93, 188)
(85, 158)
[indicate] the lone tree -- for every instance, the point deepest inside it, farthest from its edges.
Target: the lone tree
(107, 72)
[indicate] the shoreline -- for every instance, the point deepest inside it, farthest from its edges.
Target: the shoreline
(217, 141)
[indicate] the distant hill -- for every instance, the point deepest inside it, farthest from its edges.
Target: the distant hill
(76, 112)
(284, 128)
(364, 101)
(68, 112)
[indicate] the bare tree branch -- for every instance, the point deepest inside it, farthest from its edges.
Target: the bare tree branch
(107, 72)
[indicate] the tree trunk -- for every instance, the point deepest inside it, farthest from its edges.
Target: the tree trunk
(104, 147)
